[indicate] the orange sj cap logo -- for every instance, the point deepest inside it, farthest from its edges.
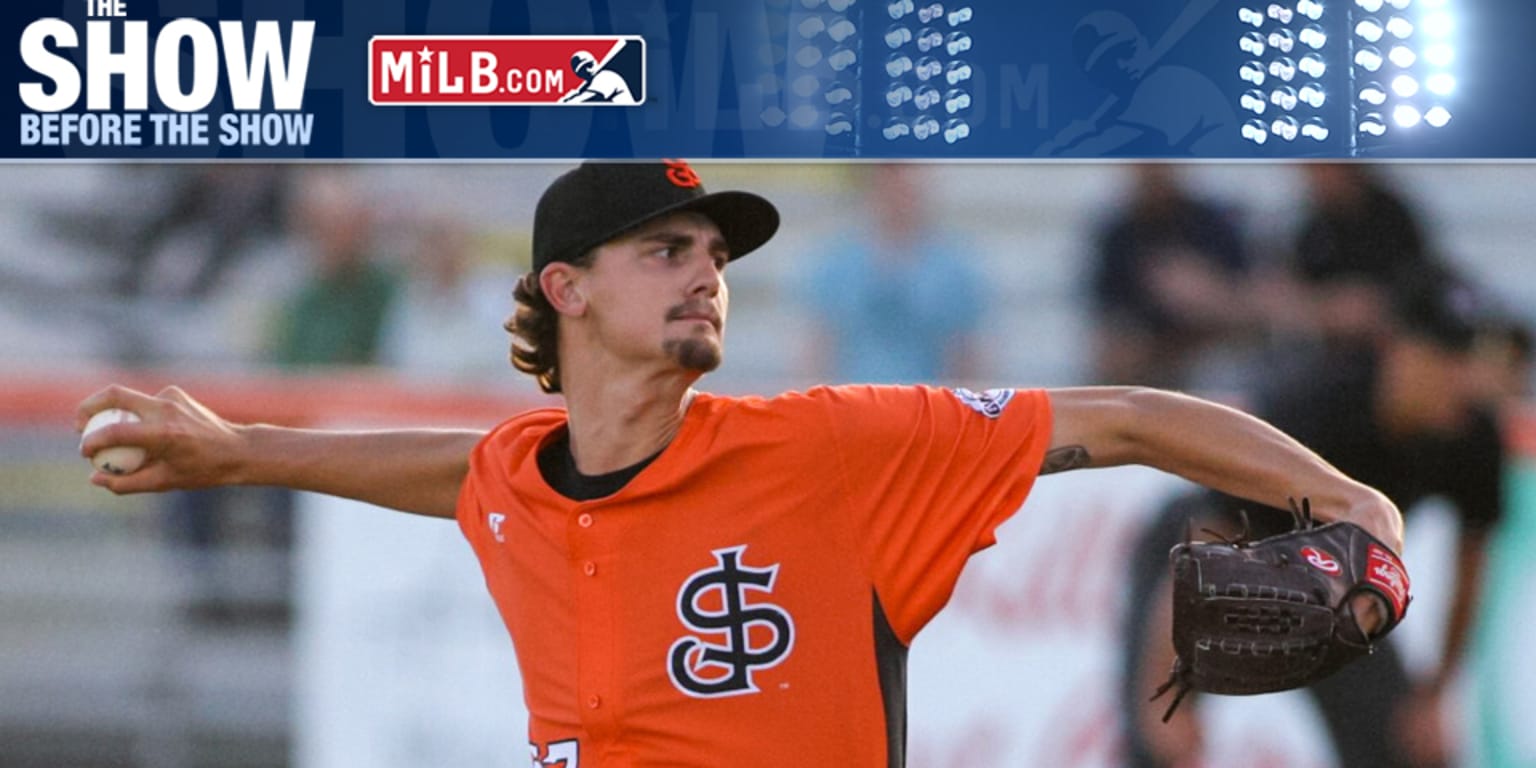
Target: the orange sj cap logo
(681, 174)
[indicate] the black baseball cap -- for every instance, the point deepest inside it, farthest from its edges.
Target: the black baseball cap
(598, 201)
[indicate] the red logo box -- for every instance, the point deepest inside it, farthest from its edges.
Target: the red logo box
(1386, 572)
(450, 70)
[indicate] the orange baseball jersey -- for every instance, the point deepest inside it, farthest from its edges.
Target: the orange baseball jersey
(747, 599)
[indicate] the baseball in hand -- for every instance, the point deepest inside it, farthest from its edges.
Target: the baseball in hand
(117, 459)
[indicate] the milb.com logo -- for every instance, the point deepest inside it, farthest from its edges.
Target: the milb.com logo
(506, 70)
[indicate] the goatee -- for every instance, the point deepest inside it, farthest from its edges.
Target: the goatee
(694, 354)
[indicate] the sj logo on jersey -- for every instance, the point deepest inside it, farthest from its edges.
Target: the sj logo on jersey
(740, 634)
(506, 70)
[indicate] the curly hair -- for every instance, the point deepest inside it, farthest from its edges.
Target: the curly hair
(535, 341)
(534, 326)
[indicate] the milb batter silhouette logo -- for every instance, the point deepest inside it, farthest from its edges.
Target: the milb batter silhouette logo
(756, 635)
(617, 78)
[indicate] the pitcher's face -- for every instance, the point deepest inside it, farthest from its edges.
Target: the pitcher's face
(660, 290)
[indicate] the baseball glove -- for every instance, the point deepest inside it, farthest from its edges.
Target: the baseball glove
(1277, 613)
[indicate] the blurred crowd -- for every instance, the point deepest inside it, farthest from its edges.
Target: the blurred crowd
(1181, 297)
(1177, 286)
(293, 267)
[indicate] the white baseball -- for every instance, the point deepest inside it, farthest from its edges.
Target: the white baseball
(117, 459)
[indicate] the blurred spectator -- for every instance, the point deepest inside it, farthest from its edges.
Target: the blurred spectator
(446, 324)
(1168, 284)
(336, 316)
(1406, 416)
(224, 206)
(900, 301)
(1357, 240)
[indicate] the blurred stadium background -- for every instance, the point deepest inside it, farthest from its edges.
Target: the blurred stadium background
(255, 629)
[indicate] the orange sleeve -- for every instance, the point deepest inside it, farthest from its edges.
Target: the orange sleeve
(491, 465)
(470, 511)
(929, 474)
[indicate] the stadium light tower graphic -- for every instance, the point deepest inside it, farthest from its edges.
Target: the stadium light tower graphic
(927, 73)
(822, 57)
(1360, 72)
(899, 68)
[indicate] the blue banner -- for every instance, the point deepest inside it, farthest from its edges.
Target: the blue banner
(805, 79)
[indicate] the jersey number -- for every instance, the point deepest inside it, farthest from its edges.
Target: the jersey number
(560, 754)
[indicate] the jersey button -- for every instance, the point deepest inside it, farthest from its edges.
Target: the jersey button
(585, 520)
(594, 701)
(589, 568)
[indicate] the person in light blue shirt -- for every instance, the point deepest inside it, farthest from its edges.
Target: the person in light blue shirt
(901, 302)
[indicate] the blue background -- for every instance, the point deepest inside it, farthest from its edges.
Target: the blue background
(708, 63)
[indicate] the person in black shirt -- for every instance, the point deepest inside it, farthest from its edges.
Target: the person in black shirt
(1357, 241)
(1168, 283)
(1405, 415)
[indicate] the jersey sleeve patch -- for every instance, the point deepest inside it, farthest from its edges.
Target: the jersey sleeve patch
(989, 403)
